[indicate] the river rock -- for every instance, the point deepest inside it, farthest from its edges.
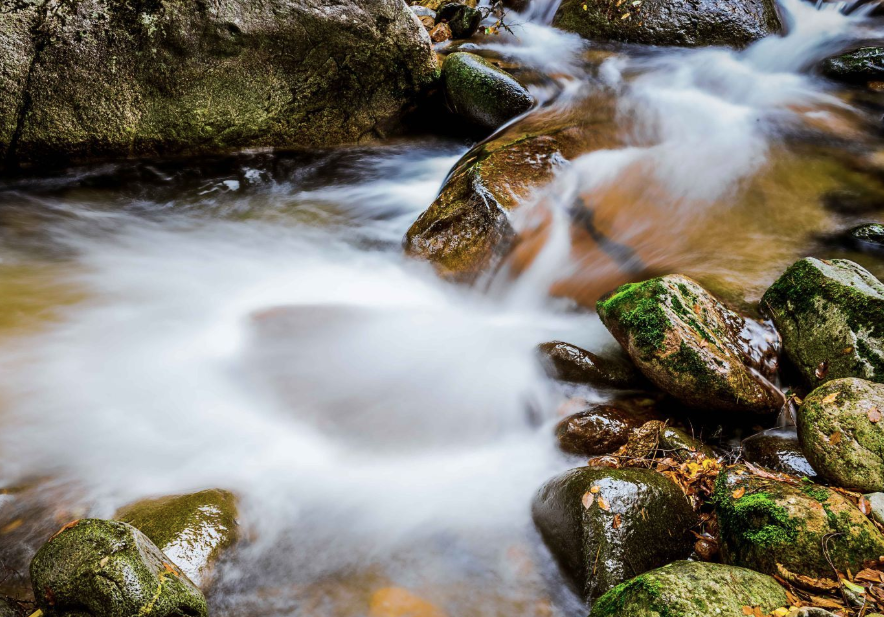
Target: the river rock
(570, 363)
(876, 501)
(109, 568)
(608, 525)
(100, 78)
(466, 231)
(780, 529)
(596, 431)
(462, 19)
(657, 439)
(862, 65)
(842, 434)
(480, 92)
(830, 314)
(192, 530)
(690, 345)
(671, 22)
(692, 589)
(778, 450)
(868, 238)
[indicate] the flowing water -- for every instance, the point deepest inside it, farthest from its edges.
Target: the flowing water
(250, 322)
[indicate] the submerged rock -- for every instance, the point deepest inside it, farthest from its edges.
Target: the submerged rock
(592, 520)
(192, 530)
(861, 65)
(830, 314)
(466, 230)
(570, 363)
(778, 450)
(791, 531)
(482, 93)
(671, 22)
(692, 589)
(868, 238)
(841, 431)
(109, 79)
(109, 568)
(689, 345)
(596, 431)
(462, 19)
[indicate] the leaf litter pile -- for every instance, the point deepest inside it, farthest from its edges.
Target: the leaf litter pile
(847, 595)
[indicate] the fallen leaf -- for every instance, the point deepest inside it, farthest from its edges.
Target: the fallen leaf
(12, 526)
(847, 350)
(603, 504)
(63, 529)
(739, 492)
(822, 370)
(588, 498)
(748, 610)
(104, 561)
(874, 415)
(864, 506)
(594, 490)
(830, 398)
(835, 438)
(625, 16)
(617, 521)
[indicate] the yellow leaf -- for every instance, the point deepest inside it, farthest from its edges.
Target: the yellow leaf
(830, 398)
(603, 504)
(835, 438)
(594, 490)
(739, 492)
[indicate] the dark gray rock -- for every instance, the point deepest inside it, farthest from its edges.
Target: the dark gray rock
(778, 450)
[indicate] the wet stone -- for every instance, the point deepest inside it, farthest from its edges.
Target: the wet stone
(862, 65)
(780, 529)
(778, 450)
(596, 431)
(462, 19)
(570, 363)
(607, 525)
(868, 238)
(842, 433)
(692, 589)
(109, 568)
(192, 530)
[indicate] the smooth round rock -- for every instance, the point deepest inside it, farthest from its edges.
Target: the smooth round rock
(868, 238)
(842, 433)
(778, 450)
(570, 363)
(596, 431)
(604, 525)
(109, 568)
(692, 589)
(781, 529)
(481, 92)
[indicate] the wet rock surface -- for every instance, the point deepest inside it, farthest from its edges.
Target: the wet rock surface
(671, 22)
(862, 65)
(592, 521)
(830, 314)
(692, 589)
(690, 345)
(480, 92)
(868, 238)
(191, 530)
(778, 450)
(109, 568)
(781, 529)
(462, 19)
(80, 85)
(570, 363)
(842, 434)
(598, 430)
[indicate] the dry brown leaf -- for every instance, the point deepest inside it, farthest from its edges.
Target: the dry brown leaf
(617, 521)
(594, 490)
(830, 398)
(874, 415)
(748, 610)
(864, 506)
(835, 438)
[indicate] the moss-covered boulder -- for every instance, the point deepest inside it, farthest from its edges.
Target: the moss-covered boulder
(570, 363)
(842, 433)
(109, 568)
(466, 231)
(482, 93)
(830, 314)
(779, 450)
(692, 589)
(671, 22)
(690, 345)
(791, 530)
(106, 78)
(606, 525)
(861, 65)
(595, 431)
(192, 530)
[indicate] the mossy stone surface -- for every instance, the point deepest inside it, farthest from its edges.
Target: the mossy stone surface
(110, 569)
(780, 529)
(692, 589)
(481, 92)
(111, 78)
(860, 65)
(192, 530)
(653, 519)
(573, 364)
(689, 345)
(671, 22)
(842, 433)
(830, 314)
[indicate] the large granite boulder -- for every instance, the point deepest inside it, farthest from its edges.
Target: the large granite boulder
(106, 78)
(671, 22)
(830, 314)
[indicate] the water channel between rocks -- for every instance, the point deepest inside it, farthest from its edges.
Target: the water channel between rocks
(251, 322)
